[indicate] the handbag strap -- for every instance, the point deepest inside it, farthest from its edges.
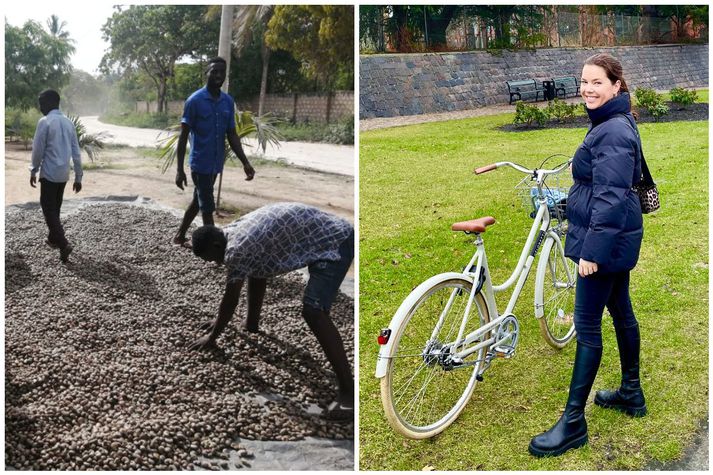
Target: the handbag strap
(646, 178)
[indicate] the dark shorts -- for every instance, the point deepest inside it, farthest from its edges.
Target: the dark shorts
(203, 191)
(325, 277)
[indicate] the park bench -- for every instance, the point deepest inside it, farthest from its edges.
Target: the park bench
(524, 90)
(566, 86)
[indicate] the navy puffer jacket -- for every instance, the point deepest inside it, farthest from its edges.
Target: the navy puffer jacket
(604, 213)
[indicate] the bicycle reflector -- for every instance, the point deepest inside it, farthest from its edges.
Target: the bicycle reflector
(384, 336)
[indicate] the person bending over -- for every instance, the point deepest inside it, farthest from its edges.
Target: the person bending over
(274, 240)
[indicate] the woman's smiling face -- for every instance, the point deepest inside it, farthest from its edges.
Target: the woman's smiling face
(596, 87)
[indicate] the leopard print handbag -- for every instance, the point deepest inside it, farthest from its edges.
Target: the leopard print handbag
(648, 196)
(646, 189)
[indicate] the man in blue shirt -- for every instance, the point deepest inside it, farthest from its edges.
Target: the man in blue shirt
(55, 142)
(208, 117)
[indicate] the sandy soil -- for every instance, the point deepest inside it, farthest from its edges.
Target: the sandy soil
(124, 171)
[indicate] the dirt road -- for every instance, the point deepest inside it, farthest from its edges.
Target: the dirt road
(124, 172)
(315, 156)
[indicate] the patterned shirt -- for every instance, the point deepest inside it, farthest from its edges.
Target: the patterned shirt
(280, 238)
(209, 120)
(54, 144)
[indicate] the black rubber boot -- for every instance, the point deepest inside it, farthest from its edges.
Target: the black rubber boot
(629, 398)
(570, 431)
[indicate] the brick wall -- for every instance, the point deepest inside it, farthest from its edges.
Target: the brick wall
(305, 107)
(407, 84)
(300, 107)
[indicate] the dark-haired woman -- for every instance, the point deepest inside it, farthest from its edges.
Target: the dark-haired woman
(604, 238)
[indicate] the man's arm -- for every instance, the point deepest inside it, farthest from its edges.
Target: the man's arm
(234, 142)
(181, 180)
(38, 150)
(77, 162)
(225, 314)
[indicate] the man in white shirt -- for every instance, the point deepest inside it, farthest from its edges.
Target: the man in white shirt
(55, 142)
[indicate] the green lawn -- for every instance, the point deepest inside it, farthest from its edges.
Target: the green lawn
(417, 180)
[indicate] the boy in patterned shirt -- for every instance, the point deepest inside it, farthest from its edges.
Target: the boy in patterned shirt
(274, 240)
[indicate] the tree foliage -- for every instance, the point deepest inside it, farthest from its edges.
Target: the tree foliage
(321, 37)
(35, 60)
(152, 38)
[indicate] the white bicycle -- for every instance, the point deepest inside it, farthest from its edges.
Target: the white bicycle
(446, 333)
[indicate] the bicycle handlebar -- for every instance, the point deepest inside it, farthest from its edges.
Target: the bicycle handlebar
(520, 168)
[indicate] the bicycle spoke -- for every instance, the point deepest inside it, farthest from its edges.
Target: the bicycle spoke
(423, 391)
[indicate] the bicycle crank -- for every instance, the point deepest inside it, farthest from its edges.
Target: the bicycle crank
(506, 337)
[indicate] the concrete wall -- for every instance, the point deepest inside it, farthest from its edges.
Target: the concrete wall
(298, 107)
(408, 84)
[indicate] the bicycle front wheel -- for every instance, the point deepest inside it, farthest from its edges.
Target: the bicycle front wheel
(554, 294)
(423, 392)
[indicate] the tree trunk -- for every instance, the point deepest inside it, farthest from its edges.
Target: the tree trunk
(263, 83)
(401, 19)
(224, 42)
(224, 48)
(161, 99)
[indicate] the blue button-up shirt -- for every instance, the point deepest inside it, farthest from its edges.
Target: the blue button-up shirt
(54, 144)
(209, 120)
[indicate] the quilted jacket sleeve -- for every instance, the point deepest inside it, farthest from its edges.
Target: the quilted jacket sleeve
(613, 150)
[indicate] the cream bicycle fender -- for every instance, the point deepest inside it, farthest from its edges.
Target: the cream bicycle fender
(386, 350)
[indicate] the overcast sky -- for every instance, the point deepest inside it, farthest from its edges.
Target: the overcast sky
(84, 22)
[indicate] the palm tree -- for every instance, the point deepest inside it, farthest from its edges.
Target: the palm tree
(248, 20)
(56, 27)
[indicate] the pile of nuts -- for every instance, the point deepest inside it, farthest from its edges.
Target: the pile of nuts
(98, 374)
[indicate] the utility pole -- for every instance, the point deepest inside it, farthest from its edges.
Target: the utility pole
(224, 48)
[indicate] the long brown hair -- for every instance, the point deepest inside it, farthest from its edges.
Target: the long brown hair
(614, 71)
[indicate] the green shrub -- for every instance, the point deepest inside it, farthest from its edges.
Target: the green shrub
(651, 101)
(645, 97)
(562, 111)
(142, 120)
(682, 96)
(20, 125)
(341, 132)
(658, 110)
(529, 113)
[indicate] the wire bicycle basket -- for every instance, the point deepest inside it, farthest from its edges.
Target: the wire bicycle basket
(555, 189)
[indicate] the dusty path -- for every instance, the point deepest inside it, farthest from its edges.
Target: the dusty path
(315, 156)
(124, 171)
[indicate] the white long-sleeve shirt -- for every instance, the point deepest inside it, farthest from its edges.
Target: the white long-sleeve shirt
(54, 144)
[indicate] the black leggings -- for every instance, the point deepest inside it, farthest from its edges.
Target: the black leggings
(593, 293)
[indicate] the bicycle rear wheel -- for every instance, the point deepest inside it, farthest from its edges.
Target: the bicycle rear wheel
(421, 395)
(554, 294)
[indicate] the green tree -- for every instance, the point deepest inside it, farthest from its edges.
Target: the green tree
(34, 60)
(681, 14)
(321, 37)
(152, 38)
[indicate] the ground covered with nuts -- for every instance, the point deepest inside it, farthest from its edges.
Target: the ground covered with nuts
(97, 371)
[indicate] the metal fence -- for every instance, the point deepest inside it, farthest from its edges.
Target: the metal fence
(555, 27)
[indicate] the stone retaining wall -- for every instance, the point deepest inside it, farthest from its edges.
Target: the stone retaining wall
(408, 84)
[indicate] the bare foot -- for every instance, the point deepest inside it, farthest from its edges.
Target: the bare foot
(182, 241)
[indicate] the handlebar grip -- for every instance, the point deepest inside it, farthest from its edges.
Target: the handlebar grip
(487, 168)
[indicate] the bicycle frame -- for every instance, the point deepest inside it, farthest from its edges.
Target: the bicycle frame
(520, 274)
(463, 346)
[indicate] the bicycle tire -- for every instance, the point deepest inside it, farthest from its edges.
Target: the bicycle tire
(442, 394)
(554, 294)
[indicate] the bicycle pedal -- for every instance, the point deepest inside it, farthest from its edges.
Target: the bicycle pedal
(479, 377)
